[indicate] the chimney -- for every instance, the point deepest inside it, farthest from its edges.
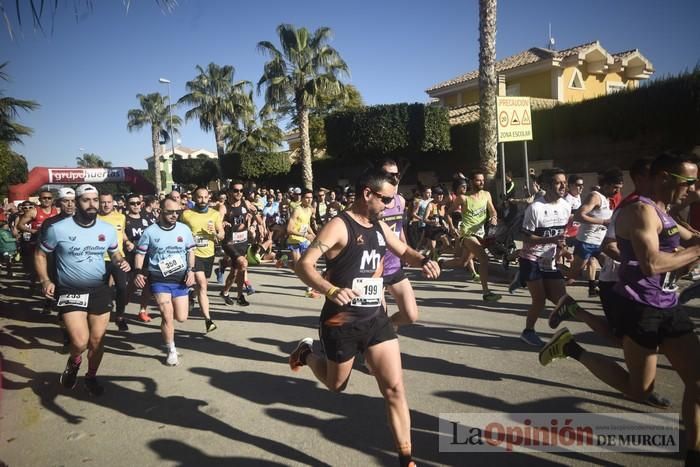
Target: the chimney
(501, 85)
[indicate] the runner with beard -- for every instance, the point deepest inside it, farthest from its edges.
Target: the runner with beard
(206, 227)
(239, 213)
(81, 290)
(353, 319)
(136, 223)
(169, 247)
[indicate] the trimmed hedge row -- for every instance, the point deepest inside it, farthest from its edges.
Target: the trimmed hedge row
(398, 130)
(261, 165)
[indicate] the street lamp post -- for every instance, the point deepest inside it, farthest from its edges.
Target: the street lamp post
(170, 111)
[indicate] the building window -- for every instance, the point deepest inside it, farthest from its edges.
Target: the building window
(513, 90)
(576, 80)
(615, 86)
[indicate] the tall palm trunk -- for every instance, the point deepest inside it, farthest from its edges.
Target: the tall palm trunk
(307, 171)
(488, 86)
(155, 142)
(220, 146)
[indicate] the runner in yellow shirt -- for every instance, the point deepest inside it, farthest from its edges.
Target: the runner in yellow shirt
(299, 231)
(113, 217)
(207, 227)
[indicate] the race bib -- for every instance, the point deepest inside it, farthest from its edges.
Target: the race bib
(201, 242)
(546, 261)
(171, 265)
(239, 237)
(26, 236)
(370, 289)
(303, 229)
(668, 283)
(77, 300)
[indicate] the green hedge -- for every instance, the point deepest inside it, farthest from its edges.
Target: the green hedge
(195, 171)
(609, 130)
(256, 166)
(398, 130)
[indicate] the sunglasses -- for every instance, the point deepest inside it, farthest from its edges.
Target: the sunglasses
(134, 203)
(688, 181)
(235, 190)
(46, 197)
(170, 212)
(387, 200)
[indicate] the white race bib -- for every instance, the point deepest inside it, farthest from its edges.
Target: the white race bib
(303, 229)
(77, 300)
(669, 282)
(546, 261)
(239, 237)
(26, 236)
(171, 265)
(370, 289)
(201, 242)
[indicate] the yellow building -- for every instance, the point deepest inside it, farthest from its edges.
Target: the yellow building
(571, 75)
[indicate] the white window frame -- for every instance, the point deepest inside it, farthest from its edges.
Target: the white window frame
(577, 74)
(611, 87)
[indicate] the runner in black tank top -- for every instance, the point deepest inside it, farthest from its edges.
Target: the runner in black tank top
(238, 216)
(353, 319)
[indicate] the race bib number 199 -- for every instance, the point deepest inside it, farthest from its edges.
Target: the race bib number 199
(370, 290)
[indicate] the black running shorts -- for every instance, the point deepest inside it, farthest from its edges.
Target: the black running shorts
(648, 326)
(99, 301)
(341, 343)
(395, 278)
(234, 250)
(205, 265)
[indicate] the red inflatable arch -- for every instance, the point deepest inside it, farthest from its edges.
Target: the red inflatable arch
(40, 176)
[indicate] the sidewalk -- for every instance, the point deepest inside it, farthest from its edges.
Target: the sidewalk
(234, 401)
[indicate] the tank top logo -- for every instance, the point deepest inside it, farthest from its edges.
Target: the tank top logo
(370, 260)
(360, 240)
(380, 239)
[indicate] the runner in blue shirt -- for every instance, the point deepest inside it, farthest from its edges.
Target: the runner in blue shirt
(82, 294)
(170, 248)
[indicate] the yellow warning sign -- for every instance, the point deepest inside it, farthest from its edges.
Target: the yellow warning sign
(514, 123)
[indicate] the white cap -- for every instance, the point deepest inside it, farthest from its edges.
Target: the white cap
(66, 192)
(297, 191)
(83, 189)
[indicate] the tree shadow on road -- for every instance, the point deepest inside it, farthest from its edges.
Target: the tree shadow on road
(184, 455)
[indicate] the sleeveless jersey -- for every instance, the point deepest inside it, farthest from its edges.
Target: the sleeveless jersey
(300, 225)
(135, 226)
(362, 258)
(422, 206)
(199, 223)
(595, 233)
(394, 219)
(167, 251)
(118, 221)
(474, 215)
(659, 290)
(238, 232)
(39, 219)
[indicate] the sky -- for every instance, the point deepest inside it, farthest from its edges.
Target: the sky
(87, 72)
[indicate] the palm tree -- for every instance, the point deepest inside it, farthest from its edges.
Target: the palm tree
(90, 160)
(487, 88)
(10, 130)
(257, 135)
(154, 112)
(294, 77)
(217, 101)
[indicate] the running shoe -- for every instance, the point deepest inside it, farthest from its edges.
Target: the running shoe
(227, 298)
(565, 310)
(593, 292)
(144, 317)
(219, 276)
(555, 347)
(302, 349)
(70, 375)
(491, 297)
(121, 324)
(658, 401)
(476, 277)
(249, 289)
(93, 387)
(530, 337)
(242, 301)
(209, 325)
(172, 359)
(689, 293)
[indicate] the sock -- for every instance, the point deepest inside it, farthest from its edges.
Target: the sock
(77, 360)
(692, 458)
(246, 283)
(404, 460)
(91, 372)
(170, 346)
(573, 350)
(591, 285)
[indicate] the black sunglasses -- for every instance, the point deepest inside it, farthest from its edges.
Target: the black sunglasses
(170, 212)
(235, 190)
(387, 200)
(134, 203)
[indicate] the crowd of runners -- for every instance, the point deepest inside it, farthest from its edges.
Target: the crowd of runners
(91, 254)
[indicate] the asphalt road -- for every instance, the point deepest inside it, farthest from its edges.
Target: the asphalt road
(234, 401)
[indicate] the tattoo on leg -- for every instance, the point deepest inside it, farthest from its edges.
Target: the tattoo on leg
(320, 245)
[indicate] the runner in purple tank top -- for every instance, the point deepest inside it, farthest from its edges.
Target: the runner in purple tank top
(649, 318)
(394, 277)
